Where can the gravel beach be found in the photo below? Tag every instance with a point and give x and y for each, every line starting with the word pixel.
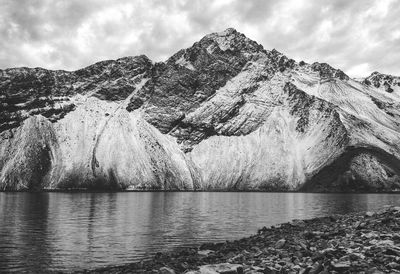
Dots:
pixel 366 242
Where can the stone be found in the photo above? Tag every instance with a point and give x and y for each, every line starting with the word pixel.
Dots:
pixel 223 268
pixel 394 265
pixel 316 268
pixel 205 252
pixel 393 251
pixel 299 223
pixel 166 270
pixel 341 266
pixel 270 270
pixel 296 268
pixel 280 243
pixel 369 214
pixel 257 268
pixel 356 256
pixel 374 270
pixel 370 235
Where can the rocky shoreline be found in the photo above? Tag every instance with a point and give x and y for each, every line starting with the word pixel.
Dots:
pixel 352 243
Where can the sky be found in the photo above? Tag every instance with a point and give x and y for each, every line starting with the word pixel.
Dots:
pixel 357 36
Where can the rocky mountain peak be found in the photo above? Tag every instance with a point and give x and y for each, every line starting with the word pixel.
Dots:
pixel 232 47
pixel 230 31
pixel 278 61
pixel 228 46
pixel 387 82
pixel 377 74
pixel 230 40
pixel 191 77
pixel 326 71
pixel 120 66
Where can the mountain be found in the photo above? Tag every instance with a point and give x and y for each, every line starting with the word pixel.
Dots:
pixel 223 114
pixel 388 83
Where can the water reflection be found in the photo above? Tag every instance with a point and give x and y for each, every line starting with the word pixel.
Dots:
pixel 70 231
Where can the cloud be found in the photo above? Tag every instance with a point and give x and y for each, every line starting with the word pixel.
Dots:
pixel 357 36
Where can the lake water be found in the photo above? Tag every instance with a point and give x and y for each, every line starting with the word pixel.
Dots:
pixel 42 232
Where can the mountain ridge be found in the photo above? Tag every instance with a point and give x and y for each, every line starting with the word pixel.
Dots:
pixel 222 114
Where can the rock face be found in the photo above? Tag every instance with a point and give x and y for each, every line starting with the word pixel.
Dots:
pixel 388 83
pixel 222 114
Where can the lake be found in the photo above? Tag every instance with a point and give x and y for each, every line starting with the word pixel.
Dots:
pixel 42 232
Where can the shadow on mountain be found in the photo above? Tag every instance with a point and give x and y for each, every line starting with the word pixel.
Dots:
pixel 358 169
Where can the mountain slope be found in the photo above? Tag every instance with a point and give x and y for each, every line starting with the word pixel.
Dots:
pixel 222 114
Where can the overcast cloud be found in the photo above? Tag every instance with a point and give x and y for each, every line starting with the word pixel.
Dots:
pixel 357 36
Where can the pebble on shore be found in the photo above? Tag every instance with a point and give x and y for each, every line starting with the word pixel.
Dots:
pixel 352 243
